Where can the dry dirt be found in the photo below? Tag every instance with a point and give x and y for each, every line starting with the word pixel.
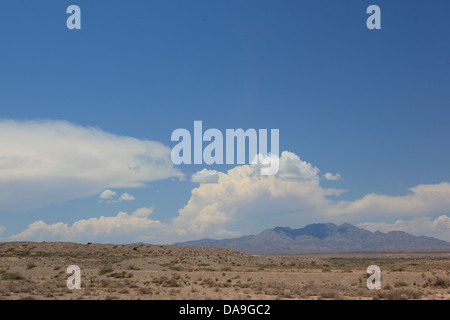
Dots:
pixel 31 270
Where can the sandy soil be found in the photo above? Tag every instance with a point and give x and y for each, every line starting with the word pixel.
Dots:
pixel 31 270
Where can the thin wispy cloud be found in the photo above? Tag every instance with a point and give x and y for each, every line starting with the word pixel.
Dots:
pixel 45 162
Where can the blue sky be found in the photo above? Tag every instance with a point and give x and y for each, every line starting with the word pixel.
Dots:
pixel 370 105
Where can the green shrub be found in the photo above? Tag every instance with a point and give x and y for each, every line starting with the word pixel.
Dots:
pixel 105 270
pixel 30 265
pixel 11 276
pixel 441 283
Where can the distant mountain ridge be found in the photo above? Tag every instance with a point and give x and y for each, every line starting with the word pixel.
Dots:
pixel 323 237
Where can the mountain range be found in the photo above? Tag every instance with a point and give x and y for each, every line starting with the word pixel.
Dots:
pixel 323 237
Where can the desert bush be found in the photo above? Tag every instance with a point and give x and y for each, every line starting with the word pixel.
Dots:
pixel 120 275
pixel 145 291
pixel 174 281
pixel 30 265
pixel 328 294
pixel 208 282
pixel 132 267
pixel 399 284
pixel 105 270
pixel 11 276
pixel 399 294
pixel 441 283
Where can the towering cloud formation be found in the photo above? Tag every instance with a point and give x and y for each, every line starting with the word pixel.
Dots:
pixel 241 201
pixel 242 198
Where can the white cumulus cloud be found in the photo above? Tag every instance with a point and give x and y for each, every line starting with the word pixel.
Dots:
pixel 244 200
pixel 332 177
pixel 205 176
pixel 439 227
pixel 143 212
pixel 293 168
pixel 109 197
pixel 107 194
pixel 103 229
pixel 424 199
pixel 126 197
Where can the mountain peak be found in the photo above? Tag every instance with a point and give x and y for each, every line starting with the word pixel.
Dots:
pixel 324 237
pixel 316 230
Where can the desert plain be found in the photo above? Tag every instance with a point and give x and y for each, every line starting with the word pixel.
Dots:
pixel 37 270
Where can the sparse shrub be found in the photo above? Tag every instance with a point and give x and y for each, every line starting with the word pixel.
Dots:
pixel 402 294
pixel 11 276
pixel 30 265
pixel 132 267
pixel 174 281
pixel 328 294
pixel 441 283
pixel 120 275
pixel 176 268
pixel 208 282
pixel 145 291
pixel 105 270
pixel 398 284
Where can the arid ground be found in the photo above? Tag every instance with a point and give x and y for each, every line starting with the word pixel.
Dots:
pixel 31 270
